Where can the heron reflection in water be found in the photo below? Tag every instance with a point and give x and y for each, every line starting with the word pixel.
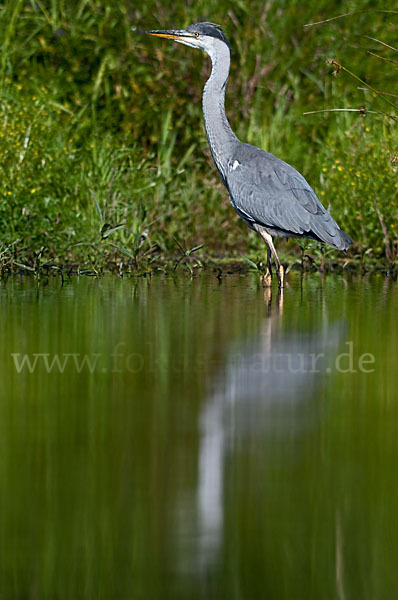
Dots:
pixel 266 394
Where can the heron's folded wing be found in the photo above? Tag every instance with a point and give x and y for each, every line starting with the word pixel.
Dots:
pixel 274 194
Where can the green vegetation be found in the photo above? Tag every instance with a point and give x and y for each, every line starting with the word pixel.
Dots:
pixel 103 154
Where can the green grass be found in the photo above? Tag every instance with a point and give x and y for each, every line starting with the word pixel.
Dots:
pixel 103 154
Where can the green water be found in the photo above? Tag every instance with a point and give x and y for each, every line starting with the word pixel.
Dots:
pixel 198 439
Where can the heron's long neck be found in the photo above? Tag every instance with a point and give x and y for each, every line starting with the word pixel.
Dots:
pixel 220 135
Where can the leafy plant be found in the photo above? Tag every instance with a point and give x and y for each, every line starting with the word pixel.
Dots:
pixel 88 104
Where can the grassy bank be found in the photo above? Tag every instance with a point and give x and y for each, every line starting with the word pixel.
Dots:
pixel 103 155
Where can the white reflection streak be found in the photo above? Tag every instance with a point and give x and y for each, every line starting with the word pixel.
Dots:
pixel 210 489
pixel 217 425
pixel 249 401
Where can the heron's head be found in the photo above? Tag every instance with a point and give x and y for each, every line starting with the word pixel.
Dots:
pixel 204 36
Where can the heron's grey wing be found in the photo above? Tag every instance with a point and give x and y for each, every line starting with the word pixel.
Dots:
pixel 268 191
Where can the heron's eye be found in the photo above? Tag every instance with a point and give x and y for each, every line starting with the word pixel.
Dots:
pixel 196 34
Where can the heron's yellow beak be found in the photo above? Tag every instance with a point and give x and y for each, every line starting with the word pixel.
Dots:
pixel 164 35
pixel 178 35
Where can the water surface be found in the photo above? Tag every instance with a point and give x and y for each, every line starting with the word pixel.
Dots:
pixel 178 438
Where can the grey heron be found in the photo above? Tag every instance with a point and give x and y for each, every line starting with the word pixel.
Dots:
pixel 267 193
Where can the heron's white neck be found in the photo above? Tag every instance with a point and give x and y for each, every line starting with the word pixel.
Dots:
pixel 220 135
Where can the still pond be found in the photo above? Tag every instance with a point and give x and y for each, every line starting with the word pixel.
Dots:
pixel 177 438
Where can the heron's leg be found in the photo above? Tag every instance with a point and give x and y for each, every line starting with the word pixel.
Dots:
pixel 269 266
pixel 267 278
pixel 270 247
